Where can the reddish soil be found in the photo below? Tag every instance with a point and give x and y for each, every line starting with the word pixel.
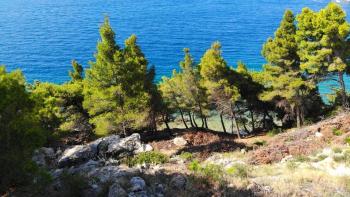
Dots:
pixel 202 143
pixel 303 141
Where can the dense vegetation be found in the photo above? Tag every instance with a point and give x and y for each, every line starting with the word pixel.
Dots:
pixel 118 93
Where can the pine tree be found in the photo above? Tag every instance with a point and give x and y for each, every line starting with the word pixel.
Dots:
pixel 77 73
pixel 215 78
pixel 323 39
pixel 115 87
pixel 282 76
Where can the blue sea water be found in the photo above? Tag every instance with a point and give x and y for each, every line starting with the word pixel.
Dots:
pixel 41 37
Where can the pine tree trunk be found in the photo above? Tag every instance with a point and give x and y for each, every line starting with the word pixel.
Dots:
pixel 183 119
pixel 201 114
pixel 264 120
pixel 298 116
pixel 222 122
pixel 252 119
pixel 205 122
pixel 345 102
pixel 194 120
pixel 190 116
pixel 165 120
pixel 234 120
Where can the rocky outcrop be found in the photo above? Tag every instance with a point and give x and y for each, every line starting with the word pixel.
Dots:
pixel 109 147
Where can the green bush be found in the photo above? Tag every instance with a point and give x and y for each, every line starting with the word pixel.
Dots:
pixel 238 170
pixel 20 130
pixel 186 156
pixel 337 132
pixel 347 140
pixel 151 157
pixel 210 171
pixel 195 166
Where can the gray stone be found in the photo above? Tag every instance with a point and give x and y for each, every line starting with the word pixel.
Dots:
pixel 43 156
pixel 178 182
pixel 137 184
pixel 159 190
pixel 116 190
pixel 144 148
pixel 86 167
pixel 179 141
pixel 77 154
pixel 138 194
pixel 107 173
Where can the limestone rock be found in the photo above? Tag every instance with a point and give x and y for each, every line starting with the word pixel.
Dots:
pixel 77 154
pixel 179 141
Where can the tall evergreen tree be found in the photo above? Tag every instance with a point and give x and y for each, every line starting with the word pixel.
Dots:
pixel 115 95
pixel 282 75
pixel 215 78
pixel 323 39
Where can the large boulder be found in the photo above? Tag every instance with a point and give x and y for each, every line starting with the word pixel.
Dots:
pixel 77 154
pixel 121 148
pixel 111 146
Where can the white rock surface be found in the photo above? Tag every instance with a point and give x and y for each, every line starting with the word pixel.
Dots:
pixel 180 141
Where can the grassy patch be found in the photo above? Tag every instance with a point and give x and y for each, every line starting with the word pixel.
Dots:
pixel 210 171
pixel 186 156
pixel 238 170
pixel 337 132
pixel 321 157
pixel 273 132
pixel 301 158
pixel 151 157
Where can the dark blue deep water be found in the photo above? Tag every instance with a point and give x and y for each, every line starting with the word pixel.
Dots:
pixel 41 37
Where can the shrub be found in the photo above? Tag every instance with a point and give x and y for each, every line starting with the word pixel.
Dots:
pixel 186 156
pixel 213 171
pixel 238 170
pixel 260 143
pixel 347 140
pixel 151 157
pixel 337 150
pixel 337 132
pixel 322 157
pixel 291 165
pixel 194 166
pixel 210 171
pixel 273 132
pixel 301 158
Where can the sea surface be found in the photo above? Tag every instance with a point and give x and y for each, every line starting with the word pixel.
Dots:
pixel 41 37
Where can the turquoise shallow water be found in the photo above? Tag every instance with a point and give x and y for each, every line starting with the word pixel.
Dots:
pixel 42 36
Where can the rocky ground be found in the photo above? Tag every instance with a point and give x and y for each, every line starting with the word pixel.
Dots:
pixel 311 161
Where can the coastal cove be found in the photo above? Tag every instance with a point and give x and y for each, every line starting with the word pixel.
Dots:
pixel 41 37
